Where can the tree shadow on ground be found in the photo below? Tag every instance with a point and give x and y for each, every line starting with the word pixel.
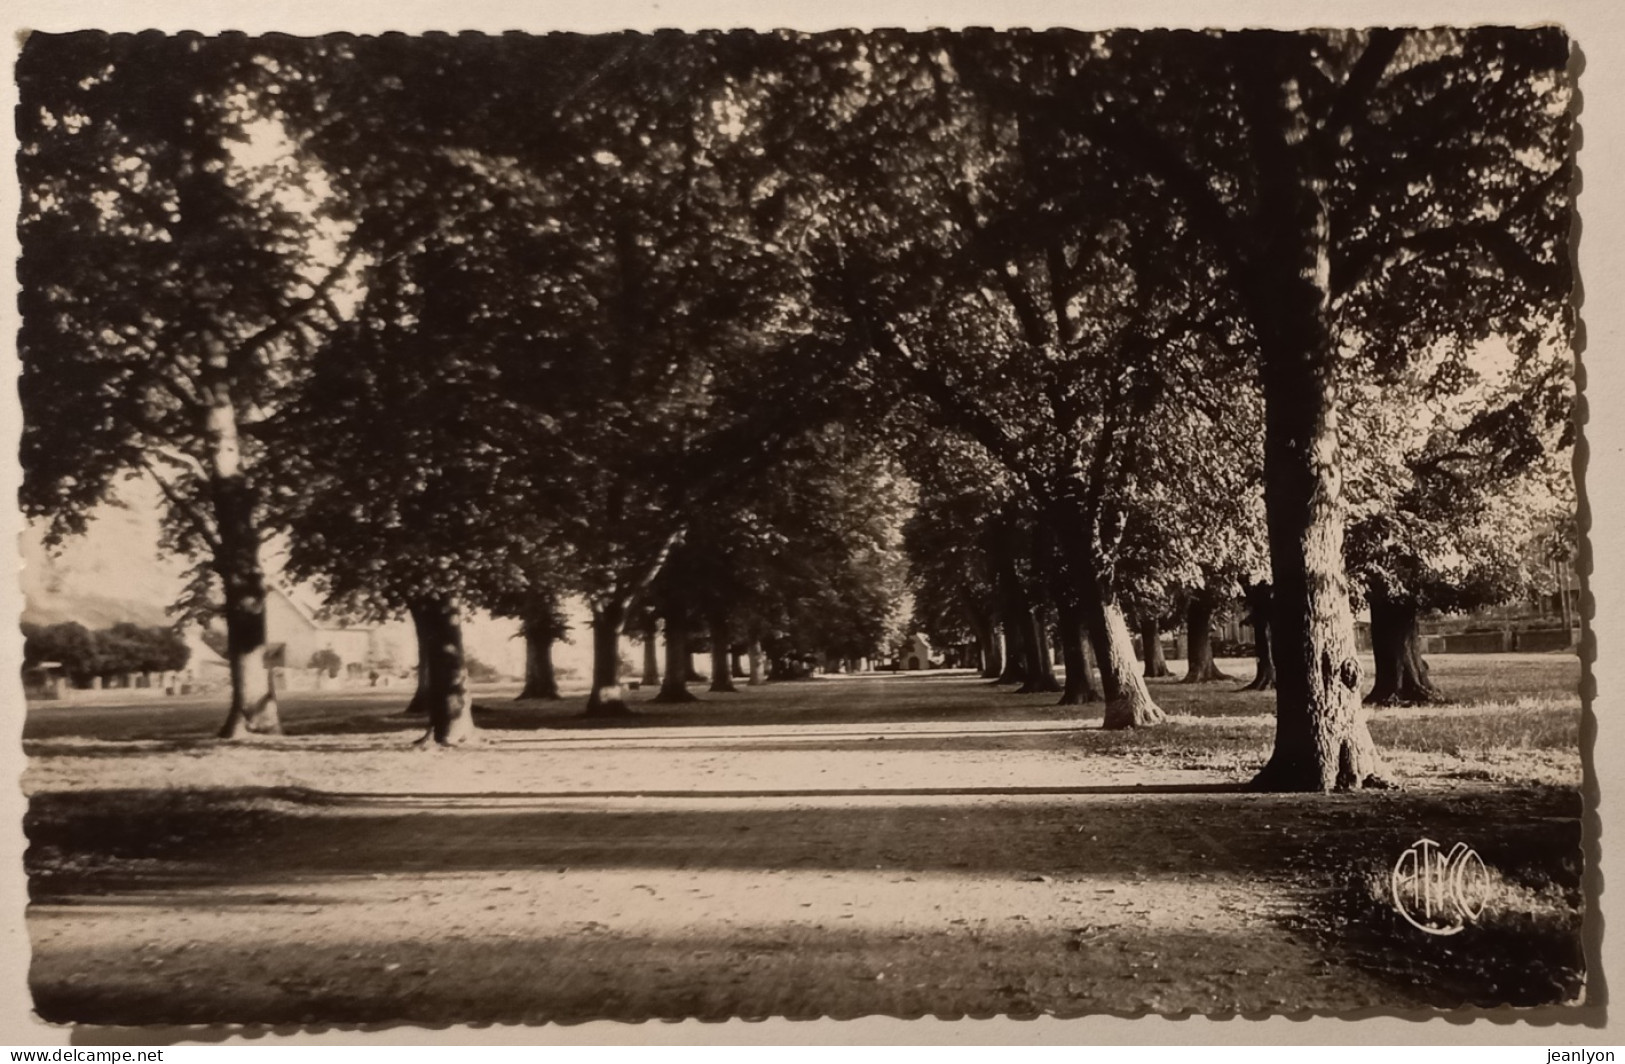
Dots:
pixel 260 834
pixel 796 972
pixel 973 742
pixel 723 711
pixel 1307 860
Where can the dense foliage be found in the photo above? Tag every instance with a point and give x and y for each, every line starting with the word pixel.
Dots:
pixel 117 651
pixel 768 339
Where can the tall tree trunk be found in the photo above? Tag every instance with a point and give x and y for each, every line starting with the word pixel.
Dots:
pixel 440 633
pixel 1322 742
pixel 254 708
pixel 1155 661
pixel 651 657
pixel 990 660
pixel 1258 618
pixel 1199 664
pixel 1128 701
pixel 1013 611
pixel 1080 681
pixel 1040 655
pixel 674 688
pixel 1015 654
pixel 1396 642
pixel 984 651
pixel 1092 692
pixel 758 663
pixel 608 698
pixel 540 633
pixel 737 663
pixel 1039 661
pixel 1562 568
pixel 419 704
pixel 721 665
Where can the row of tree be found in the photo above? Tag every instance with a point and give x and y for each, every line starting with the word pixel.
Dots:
pixel 686 324
pixel 85 655
pixel 980 578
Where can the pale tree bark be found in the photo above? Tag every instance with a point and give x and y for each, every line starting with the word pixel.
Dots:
pixel 758 663
pixel 609 617
pixel 1015 654
pixel 1155 661
pixel 992 641
pixel 997 655
pixel 254 708
pixel 1321 739
pixel 1090 667
pixel 440 633
pixel 1322 742
pixel 1014 612
pixel 1128 701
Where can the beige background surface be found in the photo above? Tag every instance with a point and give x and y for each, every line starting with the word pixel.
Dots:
pixel 1597 25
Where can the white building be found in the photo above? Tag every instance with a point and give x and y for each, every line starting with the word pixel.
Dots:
pixel 917 652
pixel 296 638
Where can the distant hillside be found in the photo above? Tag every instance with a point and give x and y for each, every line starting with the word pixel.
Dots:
pixel 114 573
pixel 93 611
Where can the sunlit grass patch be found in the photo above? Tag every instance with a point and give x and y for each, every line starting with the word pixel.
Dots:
pixel 1486 679
pixel 1507 903
pixel 1234 746
pixel 1534 738
pixel 1522 948
pixel 1532 723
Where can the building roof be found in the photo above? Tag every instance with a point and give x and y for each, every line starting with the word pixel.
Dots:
pixel 305 603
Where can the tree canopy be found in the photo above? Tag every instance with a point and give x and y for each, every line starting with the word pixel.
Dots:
pixel 737 328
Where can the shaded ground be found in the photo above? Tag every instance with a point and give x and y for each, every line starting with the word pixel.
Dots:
pixel 901 845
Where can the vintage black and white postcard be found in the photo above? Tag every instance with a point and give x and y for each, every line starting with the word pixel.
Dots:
pixel 809 520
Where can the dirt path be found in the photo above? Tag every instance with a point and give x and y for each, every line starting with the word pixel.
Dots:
pixel 629 944
pixel 890 864
pixel 785 758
